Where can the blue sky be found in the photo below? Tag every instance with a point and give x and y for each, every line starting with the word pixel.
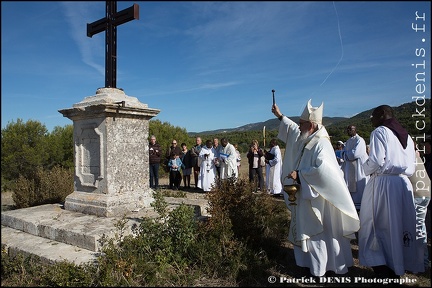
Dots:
pixel 212 65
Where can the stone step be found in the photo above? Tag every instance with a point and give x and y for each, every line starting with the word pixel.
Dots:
pixel 49 251
pixel 57 233
pixel 52 222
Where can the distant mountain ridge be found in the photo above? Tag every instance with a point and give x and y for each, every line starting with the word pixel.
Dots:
pixel 403 113
pixel 270 124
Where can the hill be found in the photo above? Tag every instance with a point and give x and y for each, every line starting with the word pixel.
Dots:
pixel 271 124
pixel 336 126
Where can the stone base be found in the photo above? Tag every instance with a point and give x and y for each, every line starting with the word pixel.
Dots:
pixel 108 205
pixel 111 156
pixel 55 234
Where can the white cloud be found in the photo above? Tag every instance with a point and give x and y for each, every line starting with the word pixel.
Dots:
pixel 77 15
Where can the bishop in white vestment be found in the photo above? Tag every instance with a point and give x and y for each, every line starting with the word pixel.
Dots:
pixel 324 219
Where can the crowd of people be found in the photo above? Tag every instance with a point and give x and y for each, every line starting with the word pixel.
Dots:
pixel 376 194
pixel 207 162
pixel 214 161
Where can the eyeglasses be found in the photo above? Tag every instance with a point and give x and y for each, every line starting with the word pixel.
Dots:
pixel 173 143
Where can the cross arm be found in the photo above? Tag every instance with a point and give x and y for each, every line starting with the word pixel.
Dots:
pixel 96 27
pixel 127 15
pixel 120 17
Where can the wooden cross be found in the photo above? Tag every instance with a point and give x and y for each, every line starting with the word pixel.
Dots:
pixel 109 25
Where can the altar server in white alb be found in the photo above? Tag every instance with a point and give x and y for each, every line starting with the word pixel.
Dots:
pixel 274 169
pixel 387 215
pixel 324 219
pixel 207 175
pixel 228 160
pixel 354 155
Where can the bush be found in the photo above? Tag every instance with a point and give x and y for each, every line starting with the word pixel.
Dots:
pixel 23 149
pixel 255 220
pixel 45 187
pixel 28 271
pixel 174 249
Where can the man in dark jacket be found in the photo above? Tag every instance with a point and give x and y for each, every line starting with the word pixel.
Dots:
pixel 155 152
pixel 195 150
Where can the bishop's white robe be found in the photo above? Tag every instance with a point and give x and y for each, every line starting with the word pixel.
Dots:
pixel 324 220
pixel 388 216
pixel 207 175
pixel 228 167
pixel 354 155
pixel 274 172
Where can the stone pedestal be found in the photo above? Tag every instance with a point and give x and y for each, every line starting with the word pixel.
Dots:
pixel 111 155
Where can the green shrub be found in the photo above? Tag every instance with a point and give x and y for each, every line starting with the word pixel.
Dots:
pixel 28 271
pixel 45 187
pixel 256 218
pixel 256 221
pixel 19 270
pixel 65 274
pixel 174 249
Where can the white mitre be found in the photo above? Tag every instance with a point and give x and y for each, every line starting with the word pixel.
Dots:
pixel 313 114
